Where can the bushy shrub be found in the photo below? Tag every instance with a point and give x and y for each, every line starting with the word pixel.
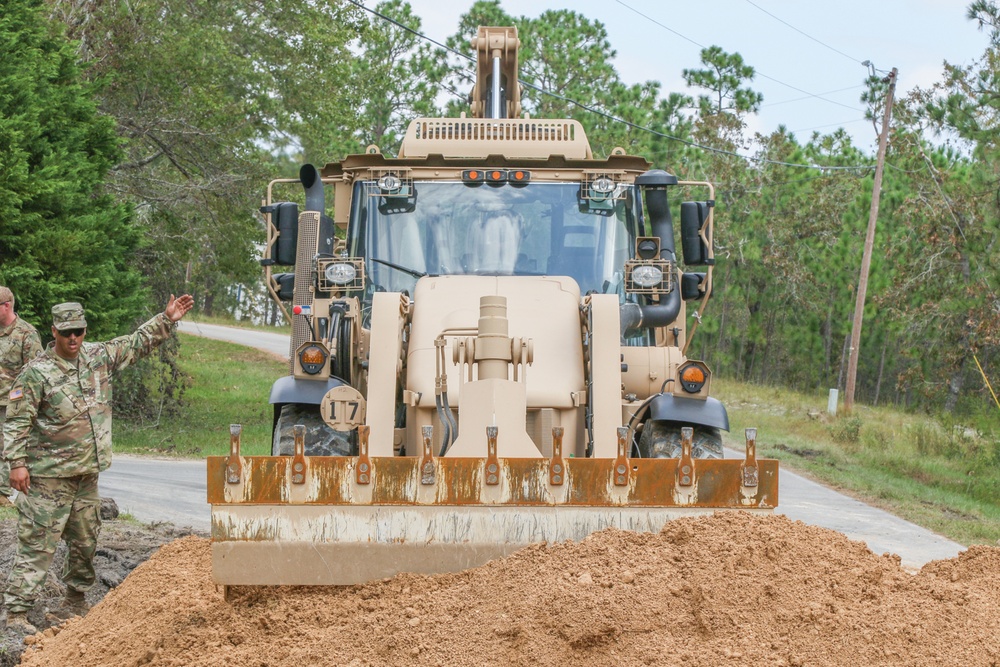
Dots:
pixel 151 388
pixel 846 430
pixel 877 436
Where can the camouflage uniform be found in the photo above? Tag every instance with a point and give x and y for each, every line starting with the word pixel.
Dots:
pixel 19 343
pixel 59 426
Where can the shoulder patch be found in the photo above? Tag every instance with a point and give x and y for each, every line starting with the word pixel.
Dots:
pixel 15 394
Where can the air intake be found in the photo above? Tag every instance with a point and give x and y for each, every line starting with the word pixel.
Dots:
pixel 479 137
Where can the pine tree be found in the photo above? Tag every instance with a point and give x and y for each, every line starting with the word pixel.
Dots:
pixel 62 238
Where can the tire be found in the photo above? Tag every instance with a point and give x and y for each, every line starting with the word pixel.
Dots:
pixel 321 440
pixel 662 440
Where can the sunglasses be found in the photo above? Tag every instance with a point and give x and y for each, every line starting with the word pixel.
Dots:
pixel 66 333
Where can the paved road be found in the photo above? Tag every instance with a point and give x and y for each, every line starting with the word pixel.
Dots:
pixel 812 503
pixel 174 491
pixel 159 490
pixel 275 343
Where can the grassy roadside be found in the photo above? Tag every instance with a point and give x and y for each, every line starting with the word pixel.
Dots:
pixel 911 465
pixel 227 384
pixel 946 479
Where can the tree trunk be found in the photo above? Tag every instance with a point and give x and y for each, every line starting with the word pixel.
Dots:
pixel 843 360
pixel 722 326
pixel 881 368
pixel 827 333
pixel 955 385
pixel 750 350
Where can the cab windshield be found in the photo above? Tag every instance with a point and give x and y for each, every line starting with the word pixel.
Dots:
pixel 450 228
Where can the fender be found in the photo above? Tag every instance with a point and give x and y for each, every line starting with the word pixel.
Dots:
pixel 704 412
pixel 290 390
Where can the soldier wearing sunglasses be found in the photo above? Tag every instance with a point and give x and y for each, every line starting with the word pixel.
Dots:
pixel 57 439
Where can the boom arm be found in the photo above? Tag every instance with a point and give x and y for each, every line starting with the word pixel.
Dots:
pixel 497 93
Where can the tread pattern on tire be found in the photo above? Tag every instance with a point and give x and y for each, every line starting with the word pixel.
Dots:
pixel 662 440
pixel 321 440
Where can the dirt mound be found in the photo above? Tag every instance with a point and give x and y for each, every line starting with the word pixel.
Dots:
pixel 123 545
pixel 727 589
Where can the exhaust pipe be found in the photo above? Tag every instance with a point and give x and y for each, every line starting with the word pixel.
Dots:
pixel 633 316
pixel 315 200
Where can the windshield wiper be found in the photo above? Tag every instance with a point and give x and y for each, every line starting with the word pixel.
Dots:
pixel 399 267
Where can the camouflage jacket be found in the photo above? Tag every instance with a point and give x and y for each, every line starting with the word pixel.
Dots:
pixel 59 416
pixel 19 344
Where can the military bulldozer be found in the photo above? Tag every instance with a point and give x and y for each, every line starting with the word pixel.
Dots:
pixel 488 350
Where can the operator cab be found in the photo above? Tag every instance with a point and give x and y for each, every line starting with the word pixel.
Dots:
pixel 535 229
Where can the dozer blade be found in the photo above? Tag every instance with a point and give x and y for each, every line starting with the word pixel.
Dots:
pixel 346 520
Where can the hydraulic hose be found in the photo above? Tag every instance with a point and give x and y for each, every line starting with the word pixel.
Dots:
pixel 452 424
pixel 445 425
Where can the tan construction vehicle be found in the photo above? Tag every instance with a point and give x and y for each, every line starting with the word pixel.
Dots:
pixel 490 355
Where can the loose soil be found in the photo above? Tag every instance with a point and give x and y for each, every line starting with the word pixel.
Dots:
pixel 726 589
pixel 123 546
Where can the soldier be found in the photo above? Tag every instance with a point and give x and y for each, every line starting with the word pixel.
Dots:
pixel 19 343
pixel 58 438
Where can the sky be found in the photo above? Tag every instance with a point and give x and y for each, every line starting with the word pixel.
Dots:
pixel 807 54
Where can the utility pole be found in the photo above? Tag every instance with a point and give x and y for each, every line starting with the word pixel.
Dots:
pixel 866 258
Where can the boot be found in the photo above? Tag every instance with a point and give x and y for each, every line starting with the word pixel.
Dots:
pixel 18 621
pixel 75 603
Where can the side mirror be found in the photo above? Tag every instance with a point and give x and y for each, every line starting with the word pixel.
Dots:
pixel 694 217
pixel 284 284
pixel 285 219
pixel 691 286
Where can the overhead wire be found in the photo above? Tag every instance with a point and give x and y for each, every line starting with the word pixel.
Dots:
pixel 756 71
pixel 820 127
pixel 723 190
pixel 604 114
pixel 804 34
pixel 799 99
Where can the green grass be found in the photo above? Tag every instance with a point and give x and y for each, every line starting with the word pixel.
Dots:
pixel 914 466
pixel 227 384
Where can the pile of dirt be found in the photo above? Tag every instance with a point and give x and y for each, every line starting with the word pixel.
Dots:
pixel 123 546
pixel 727 589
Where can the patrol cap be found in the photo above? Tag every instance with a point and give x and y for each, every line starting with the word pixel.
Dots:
pixel 68 316
pixel 5 294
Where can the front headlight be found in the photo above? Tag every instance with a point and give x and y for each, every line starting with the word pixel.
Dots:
pixel 341 274
pixel 647 276
pixel 390 183
pixel 601 188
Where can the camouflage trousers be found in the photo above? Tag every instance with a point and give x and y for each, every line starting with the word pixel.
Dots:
pixel 4 466
pixel 54 508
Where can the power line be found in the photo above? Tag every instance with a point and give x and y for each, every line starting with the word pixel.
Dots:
pixel 808 97
pixel 806 92
pixel 851 58
pixel 722 188
pixel 604 114
pixel 756 71
pixel 820 127
pixel 667 28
